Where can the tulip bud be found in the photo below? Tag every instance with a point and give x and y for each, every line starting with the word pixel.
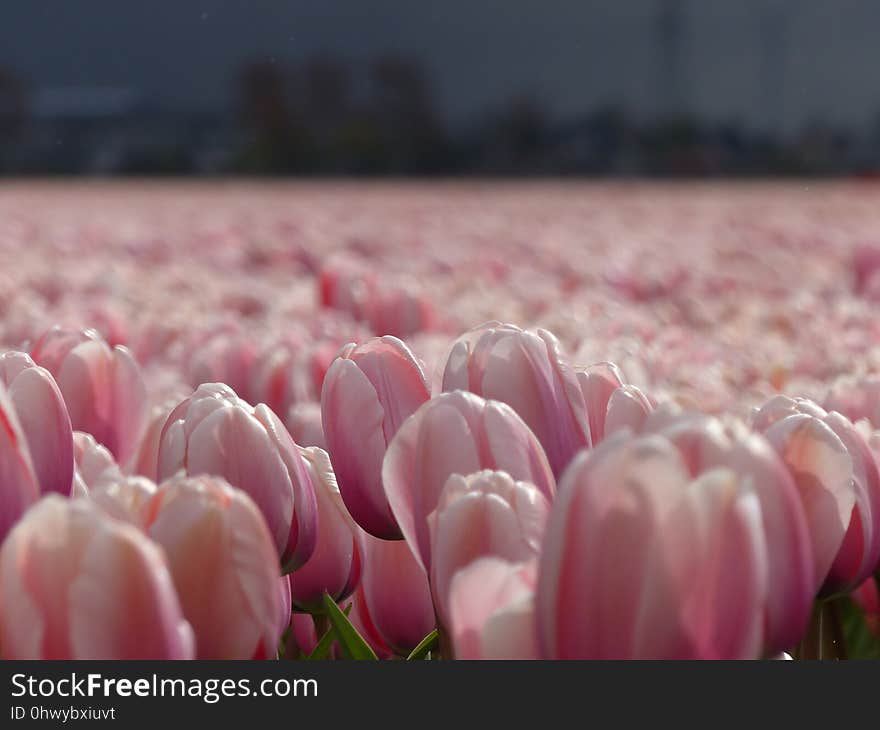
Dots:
pixel 641 560
pixel 485 514
pixel 126 498
pixel 145 460
pixel 43 418
pixel 215 432
pixel 369 391
pixel 78 584
pixel 395 594
pixel 838 482
pixel 304 424
pixel 19 486
pixel 704 444
pixel 335 565
pixel 102 386
pixel 224 565
pixel 475 434
pixel 525 370
pixel 611 403
pixel 92 464
pixel 223 358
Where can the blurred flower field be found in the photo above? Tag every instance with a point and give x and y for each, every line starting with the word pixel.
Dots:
pixel 454 420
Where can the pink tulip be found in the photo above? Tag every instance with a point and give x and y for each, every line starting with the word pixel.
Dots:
pixel 19 485
pixel 286 603
pixel 335 565
pixel 859 554
pixel 493 610
pixel 342 286
pixel 401 312
pixel 839 484
pixel 43 418
pixel 291 373
pixel 222 358
pixel 126 498
pixel 224 565
pixel 369 391
pixel 486 514
pixel 455 433
pixel 78 584
pixel 642 560
pixel 304 424
pixel 395 593
pixel 611 403
pixel 704 443
pixel 102 386
pixel 362 621
pixel 216 432
pixel 93 464
pixel 145 460
pixel 302 637
pixel 526 370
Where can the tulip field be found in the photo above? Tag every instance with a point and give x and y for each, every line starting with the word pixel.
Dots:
pixel 436 421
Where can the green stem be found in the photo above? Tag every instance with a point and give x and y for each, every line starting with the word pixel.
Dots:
pixel 322 623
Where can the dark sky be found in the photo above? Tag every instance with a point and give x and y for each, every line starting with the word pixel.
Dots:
pixel 571 54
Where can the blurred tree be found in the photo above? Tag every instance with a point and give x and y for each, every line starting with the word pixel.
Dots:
pixel 402 106
pixel 13 110
pixel 280 141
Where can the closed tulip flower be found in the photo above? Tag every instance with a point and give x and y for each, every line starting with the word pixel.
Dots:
pixel 335 565
pixel 216 432
pixel 665 546
pixel 611 402
pixel 395 593
pixel 93 464
pixel 124 497
pixel 224 565
pixel 486 514
pixel 223 358
pixel 705 444
pixel 304 424
pixel 145 460
pixel 456 433
pixel 43 418
pixel 302 637
pixel 19 486
pixel 369 391
pixel 78 584
pixel 526 370
pixel 102 386
pixel 286 603
pixel 492 606
pixel 839 484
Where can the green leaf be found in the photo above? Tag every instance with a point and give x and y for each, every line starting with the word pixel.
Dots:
pixel 425 647
pixel 350 641
pixel 322 648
